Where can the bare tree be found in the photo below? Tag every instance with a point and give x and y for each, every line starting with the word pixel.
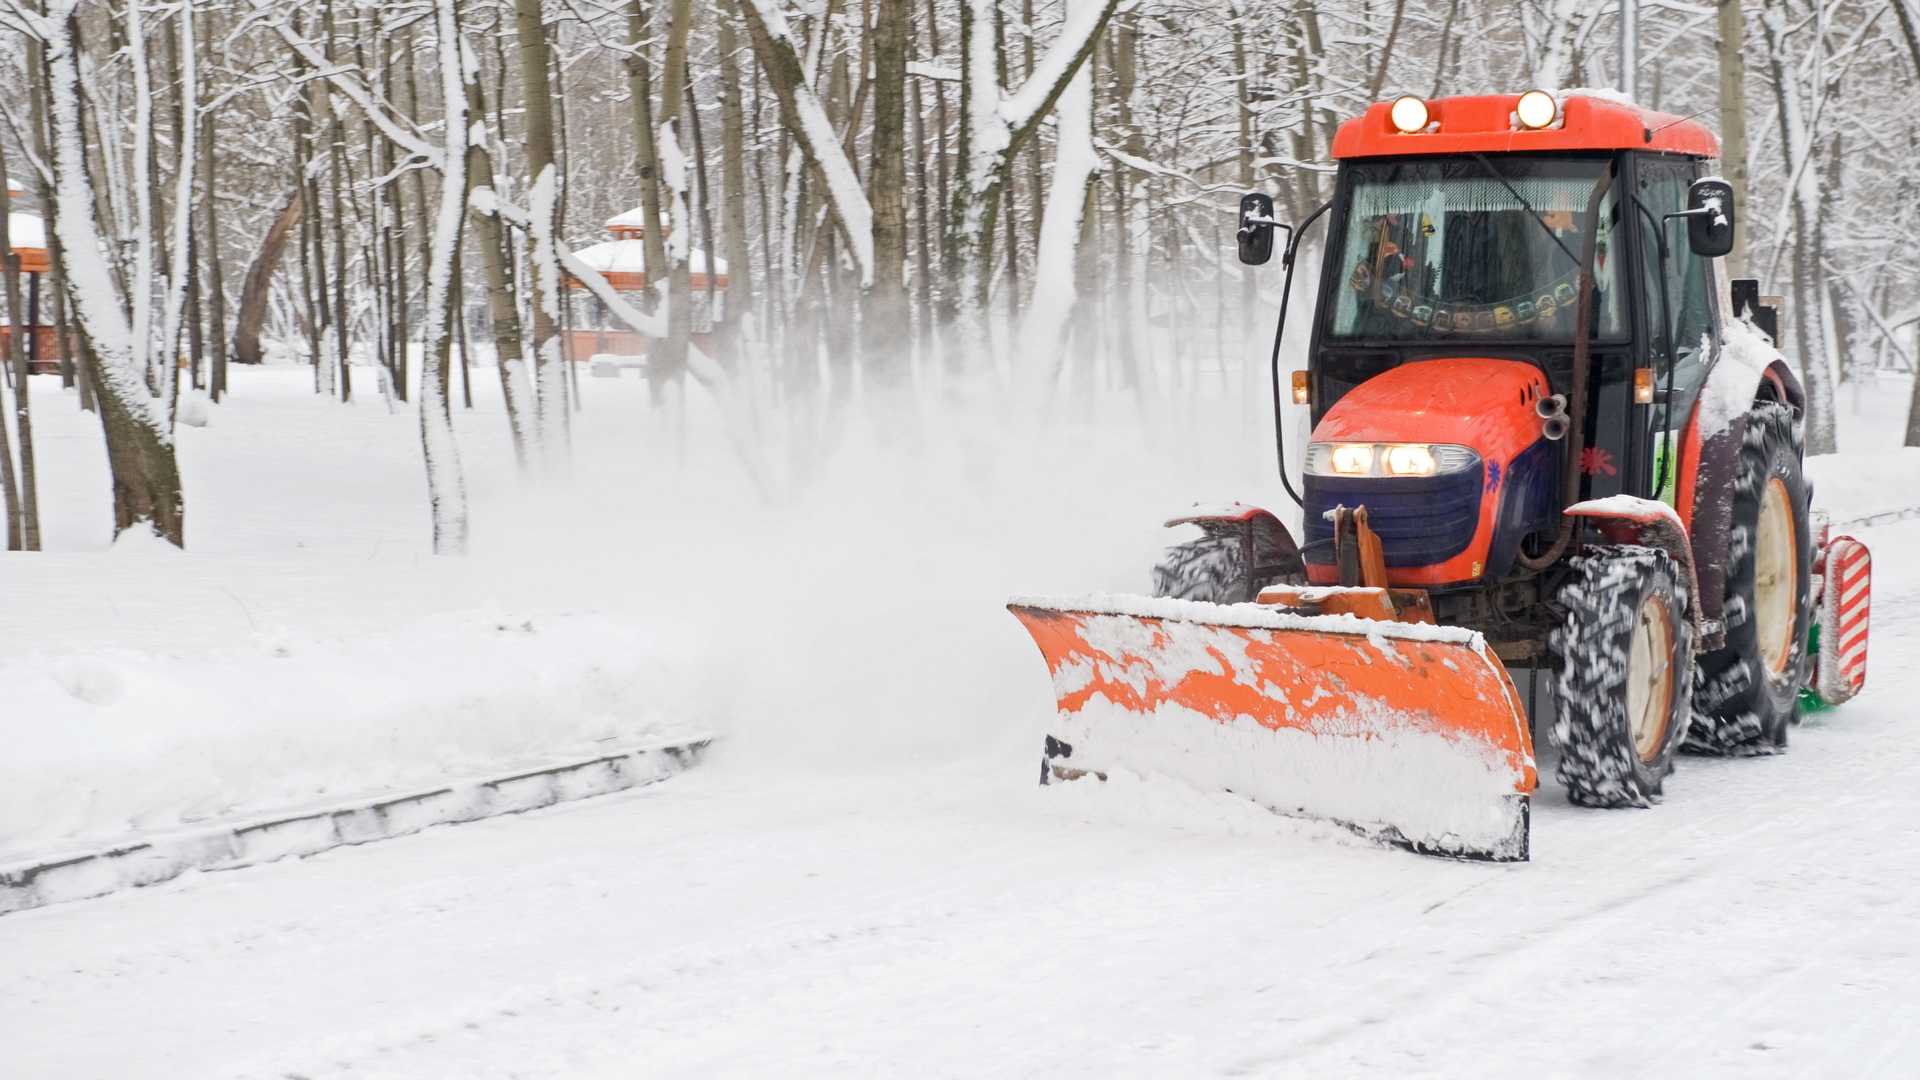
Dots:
pixel 446 485
pixel 136 416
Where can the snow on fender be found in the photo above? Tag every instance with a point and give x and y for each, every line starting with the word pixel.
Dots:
pixel 1406 732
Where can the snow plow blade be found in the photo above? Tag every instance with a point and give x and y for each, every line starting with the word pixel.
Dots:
pixel 1405 732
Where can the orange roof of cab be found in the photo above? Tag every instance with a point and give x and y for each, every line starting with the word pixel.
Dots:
pixel 1484 123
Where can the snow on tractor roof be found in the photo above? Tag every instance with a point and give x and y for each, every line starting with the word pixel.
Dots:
pixel 1485 123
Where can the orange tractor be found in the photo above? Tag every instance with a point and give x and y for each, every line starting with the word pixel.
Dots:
pixel 1547 433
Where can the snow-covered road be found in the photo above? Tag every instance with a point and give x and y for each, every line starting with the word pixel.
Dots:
pixel 748 920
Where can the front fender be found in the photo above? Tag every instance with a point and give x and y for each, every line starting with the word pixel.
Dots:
pixel 1267 547
pixel 1624 519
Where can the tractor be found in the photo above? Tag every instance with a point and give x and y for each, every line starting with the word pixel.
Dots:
pixel 1548 433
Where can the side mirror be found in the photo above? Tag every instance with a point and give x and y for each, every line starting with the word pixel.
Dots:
pixel 1256 228
pixel 1710 217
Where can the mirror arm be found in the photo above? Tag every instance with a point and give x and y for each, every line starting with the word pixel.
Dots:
pixel 1294 235
pixel 1252 222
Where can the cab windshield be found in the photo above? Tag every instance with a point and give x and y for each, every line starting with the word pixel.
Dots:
pixel 1443 248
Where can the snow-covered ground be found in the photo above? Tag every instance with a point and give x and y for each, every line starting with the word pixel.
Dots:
pixel 864 878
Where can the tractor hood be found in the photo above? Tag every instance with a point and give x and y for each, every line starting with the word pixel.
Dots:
pixel 1480 402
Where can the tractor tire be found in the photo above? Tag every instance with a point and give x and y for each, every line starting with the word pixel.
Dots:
pixel 1746 694
pixel 1624 656
pixel 1212 568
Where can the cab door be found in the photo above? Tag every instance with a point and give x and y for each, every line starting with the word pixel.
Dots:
pixel 1676 325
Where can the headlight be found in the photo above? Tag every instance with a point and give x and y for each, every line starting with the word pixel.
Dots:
pixel 1412 459
pixel 1352 459
pixel 1389 459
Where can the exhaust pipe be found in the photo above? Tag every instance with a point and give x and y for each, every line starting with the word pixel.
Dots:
pixel 1554 422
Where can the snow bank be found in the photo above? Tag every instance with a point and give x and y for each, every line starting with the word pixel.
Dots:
pixel 120 741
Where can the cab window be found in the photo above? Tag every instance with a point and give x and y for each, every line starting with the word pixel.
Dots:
pixel 1687 310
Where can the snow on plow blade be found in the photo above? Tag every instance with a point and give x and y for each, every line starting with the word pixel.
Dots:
pixel 1406 732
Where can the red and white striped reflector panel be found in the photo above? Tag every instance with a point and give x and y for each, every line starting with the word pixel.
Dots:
pixel 1844 610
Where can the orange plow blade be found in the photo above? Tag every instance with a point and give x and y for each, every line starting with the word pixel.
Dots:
pixel 1406 732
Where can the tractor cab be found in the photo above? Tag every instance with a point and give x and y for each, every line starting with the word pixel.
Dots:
pixel 1492 264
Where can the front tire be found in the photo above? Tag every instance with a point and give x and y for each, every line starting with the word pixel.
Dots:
pixel 1625 664
pixel 1747 692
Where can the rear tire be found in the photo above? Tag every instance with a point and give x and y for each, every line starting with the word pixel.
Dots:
pixel 1625 665
pixel 1747 692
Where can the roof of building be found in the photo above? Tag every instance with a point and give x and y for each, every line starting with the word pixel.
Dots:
pixel 28 235
pixel 1485 123
pixel 635 218
pixel 26 232
pixel 630 257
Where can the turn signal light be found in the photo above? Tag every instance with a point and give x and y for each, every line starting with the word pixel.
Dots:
pixel 1301 395
pixel 1643 386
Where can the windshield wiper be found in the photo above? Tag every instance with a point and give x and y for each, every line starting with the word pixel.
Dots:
pixel 1531 212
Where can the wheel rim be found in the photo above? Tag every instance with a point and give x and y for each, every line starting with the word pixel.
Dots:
pixel 1776 586
pixel 1650 677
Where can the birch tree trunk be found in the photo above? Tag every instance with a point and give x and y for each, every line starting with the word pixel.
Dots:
pixel 670 355
pixel 517 390
pixel 994 125
pixel 543 215
pixel 139 438
pixel 1909 34
pixel 806 121
pixel 640 91
pixel 733 173
pixel 1809 307
pixel 16 359
pixel 446 486
pixel 216 280
pixel 1055 292
pixel 1733 120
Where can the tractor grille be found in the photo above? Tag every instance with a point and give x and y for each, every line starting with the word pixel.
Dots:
pixel 1420 520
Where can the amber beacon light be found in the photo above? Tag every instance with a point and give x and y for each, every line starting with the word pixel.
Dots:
pixel 1409 114
pixel 1536 109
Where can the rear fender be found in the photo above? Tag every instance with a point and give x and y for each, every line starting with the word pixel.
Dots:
pixel 1266 546
pixel 1624 519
